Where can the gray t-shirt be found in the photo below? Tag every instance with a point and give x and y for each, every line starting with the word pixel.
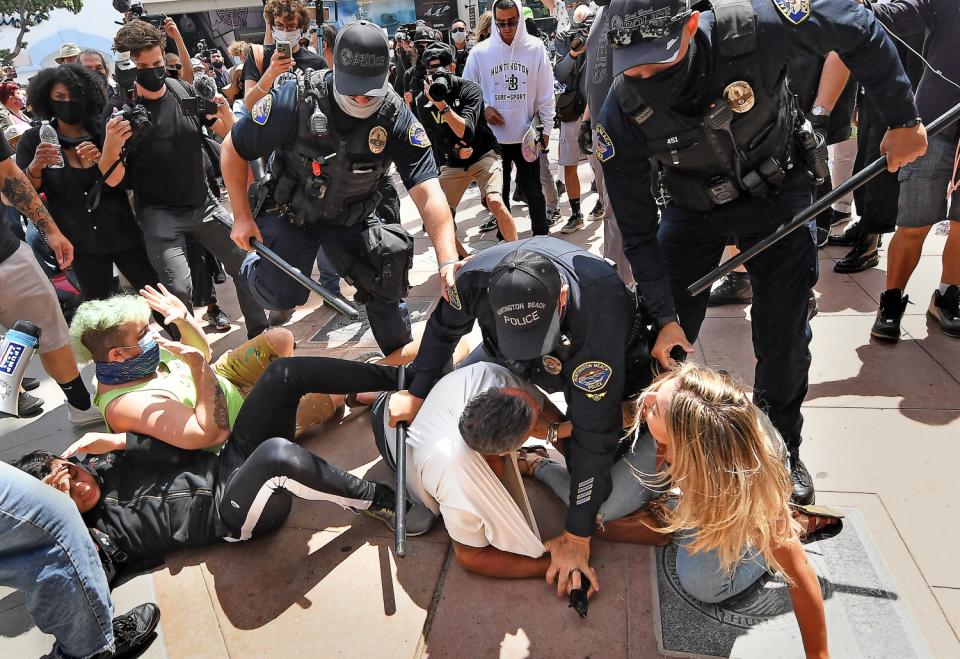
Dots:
pixel 599 75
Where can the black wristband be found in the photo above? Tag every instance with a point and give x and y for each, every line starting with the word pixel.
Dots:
pixel 912 123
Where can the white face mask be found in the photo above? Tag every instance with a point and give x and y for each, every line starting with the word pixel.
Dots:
pixel 354 109
pixel 459 37
pixel 286 35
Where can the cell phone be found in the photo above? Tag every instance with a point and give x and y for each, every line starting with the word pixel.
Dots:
pixel 197 107
pixel 284 49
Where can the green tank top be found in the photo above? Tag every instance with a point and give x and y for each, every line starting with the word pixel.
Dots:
pixel 175 379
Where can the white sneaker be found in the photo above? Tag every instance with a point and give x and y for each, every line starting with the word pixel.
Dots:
pixel 85 417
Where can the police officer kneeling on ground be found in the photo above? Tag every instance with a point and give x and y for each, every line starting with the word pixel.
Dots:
pixel 705 96
pixel 562 318
pixel 333 136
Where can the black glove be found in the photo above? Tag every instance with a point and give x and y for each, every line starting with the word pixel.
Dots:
pixel 585 138
pixel 820 123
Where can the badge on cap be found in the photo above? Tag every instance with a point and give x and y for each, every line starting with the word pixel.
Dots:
pixel 739 96
pixel 552 365
pixel 377 140
pixel 261 110
pixel 418 136
pixel 591 376
pixel 795 11
pixel 605 150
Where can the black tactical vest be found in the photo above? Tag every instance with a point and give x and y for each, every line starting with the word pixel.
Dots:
pixel 332 178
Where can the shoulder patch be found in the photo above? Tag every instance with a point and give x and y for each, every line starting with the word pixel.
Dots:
pixel 261 110
pixel 795 11
pixel 591 376
pixel 418 136
pixel 605 150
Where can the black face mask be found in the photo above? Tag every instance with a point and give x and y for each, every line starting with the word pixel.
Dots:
pixel 69 112
pixel 152 79
pixel 217 65
pixel 669 85
pixel 173 73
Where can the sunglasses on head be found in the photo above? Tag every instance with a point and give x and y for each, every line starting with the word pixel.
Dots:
pixel 653 28
pixel 513 22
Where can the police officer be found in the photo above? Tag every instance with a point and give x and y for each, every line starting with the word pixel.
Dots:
pixel 561 317
pixel 333 135
pixel 704 95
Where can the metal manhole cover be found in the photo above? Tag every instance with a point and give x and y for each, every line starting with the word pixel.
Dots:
pixel 340 330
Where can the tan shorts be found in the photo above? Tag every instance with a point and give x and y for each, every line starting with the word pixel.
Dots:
pixel 487 172
pixel 569 153
pixel 27 294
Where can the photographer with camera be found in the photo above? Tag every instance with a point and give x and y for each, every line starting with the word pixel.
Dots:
pixel 154 145
pixel 218 68
pixel 451 110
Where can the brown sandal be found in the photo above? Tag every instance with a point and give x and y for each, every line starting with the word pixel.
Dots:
pixel 822 522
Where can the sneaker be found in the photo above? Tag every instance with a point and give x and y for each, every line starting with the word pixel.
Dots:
pixel 597 212
pixel 490 224
pixel 574 224
pixel 133 631
pixel 839 217
pixel 892 305
pixel 803 492
pixel 561 187
pixel 848 237
pixel 864 255
pixel 419 518
pixel 553 217
pixel 945 309
pixel 79 417
pixel 28 405
pixel 218 318
pixel 279 317
pixel 29 384
pixel 735 288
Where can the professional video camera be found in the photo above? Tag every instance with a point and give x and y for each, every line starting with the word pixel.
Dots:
pixel 135 9
pixel 439 85
pixel 203 50
pixel 125 74
pixel 202 104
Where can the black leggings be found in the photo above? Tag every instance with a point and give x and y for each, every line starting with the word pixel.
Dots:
pixel 528 179
pixel 262 470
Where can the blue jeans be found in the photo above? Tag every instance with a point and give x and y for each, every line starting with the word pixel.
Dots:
pixel 329 278
pixel 47 553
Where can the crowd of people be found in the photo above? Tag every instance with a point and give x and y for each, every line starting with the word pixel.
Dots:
pixel 704 132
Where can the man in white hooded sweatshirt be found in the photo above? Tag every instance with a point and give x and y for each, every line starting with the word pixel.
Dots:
pixel 515 74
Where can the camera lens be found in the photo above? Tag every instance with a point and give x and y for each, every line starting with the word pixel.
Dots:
pixel 439 89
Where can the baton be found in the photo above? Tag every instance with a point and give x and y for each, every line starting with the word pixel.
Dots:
pixel 295 274
pixel 401 460
pixel 821 204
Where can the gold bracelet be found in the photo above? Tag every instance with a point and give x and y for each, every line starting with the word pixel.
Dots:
pixel 262 90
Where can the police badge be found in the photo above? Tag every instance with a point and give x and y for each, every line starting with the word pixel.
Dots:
pixel 552 365
pixel 739 96
pixel 377 140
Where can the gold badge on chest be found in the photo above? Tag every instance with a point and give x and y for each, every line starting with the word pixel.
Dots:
pixel 739 96
pixel 552 365
pixel 377 141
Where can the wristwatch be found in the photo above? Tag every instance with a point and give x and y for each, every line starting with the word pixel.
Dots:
pixel 913 123
pixel 819 111
pixel 445 110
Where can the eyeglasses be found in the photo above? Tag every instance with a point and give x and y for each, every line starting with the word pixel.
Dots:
pixel 651 28
pixel 505 25
pixel 175 66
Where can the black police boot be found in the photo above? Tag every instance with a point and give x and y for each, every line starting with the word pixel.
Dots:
pixel 945 309
pixel 735 288
pixel 803 492
pixel 864 255
pixel 892 305
pixel 133 631
pixel 848 237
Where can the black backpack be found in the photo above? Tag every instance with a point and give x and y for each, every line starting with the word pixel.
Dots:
pixel 572 103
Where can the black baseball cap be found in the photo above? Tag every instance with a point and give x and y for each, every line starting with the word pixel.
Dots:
pixel 440 52
pixel 645 31
pixel 361 60
pixel 524 291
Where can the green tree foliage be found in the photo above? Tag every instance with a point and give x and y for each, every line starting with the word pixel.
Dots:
pixel 25 14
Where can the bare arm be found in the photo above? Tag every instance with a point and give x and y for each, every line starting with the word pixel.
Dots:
pixel 19 192
pixel 833 78
pixel 170 27
pixel 492 562
pixel 166 419
pixel 806 597
pixel 430 200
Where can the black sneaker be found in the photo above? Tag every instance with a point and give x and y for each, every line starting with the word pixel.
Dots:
pixel 838 217
pixel 29 384
pixel 945 309
pixel 218 318
pixel 279 317
pixel 553 217
pixel 28 405
pixel 848 237
pixel 597 212
pixel 803 492
pixel 574 224
pixel 133 631
pixel 490 224
pixel 864 255
pixel 892 305
pixel 419 518
pixel 735 288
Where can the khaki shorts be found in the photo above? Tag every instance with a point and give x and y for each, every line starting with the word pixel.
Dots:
pixel 27 294
pixel 569 153
pixel 487 172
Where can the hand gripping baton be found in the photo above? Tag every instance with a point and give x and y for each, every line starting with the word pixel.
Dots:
pixel 401 459
pixel 295 274
pixel 821 204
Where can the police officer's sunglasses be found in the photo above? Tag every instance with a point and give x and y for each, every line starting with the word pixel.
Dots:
pixel 655 28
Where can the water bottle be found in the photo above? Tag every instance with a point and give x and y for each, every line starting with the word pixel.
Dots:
pixel 49 136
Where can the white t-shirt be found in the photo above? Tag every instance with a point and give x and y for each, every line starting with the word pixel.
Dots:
pixel 455 481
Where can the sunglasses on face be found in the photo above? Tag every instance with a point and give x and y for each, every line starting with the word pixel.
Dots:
pixel 175 66
pixel 506 25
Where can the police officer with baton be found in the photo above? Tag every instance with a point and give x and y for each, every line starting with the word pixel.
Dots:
pixel 703 96
pixel 331 137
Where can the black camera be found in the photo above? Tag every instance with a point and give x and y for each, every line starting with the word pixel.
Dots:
pixel 204 51
pixel 125 74
pixel 439 85
pixel 135 9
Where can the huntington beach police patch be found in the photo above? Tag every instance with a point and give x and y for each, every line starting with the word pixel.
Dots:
pixel 591 376
pixel 261 110
pixel 605 150
pixel 418 136
pixel 795 11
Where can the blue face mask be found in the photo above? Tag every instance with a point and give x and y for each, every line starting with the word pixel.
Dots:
pixel 141 366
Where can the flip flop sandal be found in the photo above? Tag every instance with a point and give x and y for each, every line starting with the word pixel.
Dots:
pixel 824 532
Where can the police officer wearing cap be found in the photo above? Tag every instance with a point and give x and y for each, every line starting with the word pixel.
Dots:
pixel 332 136
pixel 703 96
pixel 562 318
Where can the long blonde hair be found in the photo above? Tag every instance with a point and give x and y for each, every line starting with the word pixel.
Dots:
pixel 728 460
pixel 484 26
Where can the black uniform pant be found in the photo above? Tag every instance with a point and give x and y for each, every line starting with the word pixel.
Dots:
pixel 782 277
pixel 528 179
pixel 389 321
pixel 261 469
pixel 877 200
pixel 95 271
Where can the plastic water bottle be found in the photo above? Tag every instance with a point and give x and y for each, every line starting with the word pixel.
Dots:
pixel 49 136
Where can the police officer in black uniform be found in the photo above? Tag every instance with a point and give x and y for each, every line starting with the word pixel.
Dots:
pixel 703 96
pixel 333 135
pixel 562 318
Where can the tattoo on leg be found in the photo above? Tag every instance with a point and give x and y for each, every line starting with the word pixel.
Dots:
pixel 24 198
pixel 220 416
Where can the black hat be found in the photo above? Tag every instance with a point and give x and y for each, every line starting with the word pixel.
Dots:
pixel 361 60
pixel 438 51
pixel 524 291
pixel 645 31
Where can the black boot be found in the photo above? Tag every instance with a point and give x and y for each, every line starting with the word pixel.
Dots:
pixel 848 237
pixel 803 492
pixel 892 305
pixel 735 288
pixel 133 631
pixel 864 255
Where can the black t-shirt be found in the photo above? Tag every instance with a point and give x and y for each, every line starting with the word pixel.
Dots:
pixel 8 240
pixel 303 59
pixel 165 166
pixel 466 99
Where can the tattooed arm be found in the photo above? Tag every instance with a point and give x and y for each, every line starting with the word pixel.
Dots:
pixel 20 194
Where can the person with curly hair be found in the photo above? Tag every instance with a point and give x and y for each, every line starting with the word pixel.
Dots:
pixel 72 97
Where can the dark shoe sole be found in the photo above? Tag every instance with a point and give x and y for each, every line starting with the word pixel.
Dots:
pixel 951 333
pixel 29 384
pixel 859 267
pixel 885 337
